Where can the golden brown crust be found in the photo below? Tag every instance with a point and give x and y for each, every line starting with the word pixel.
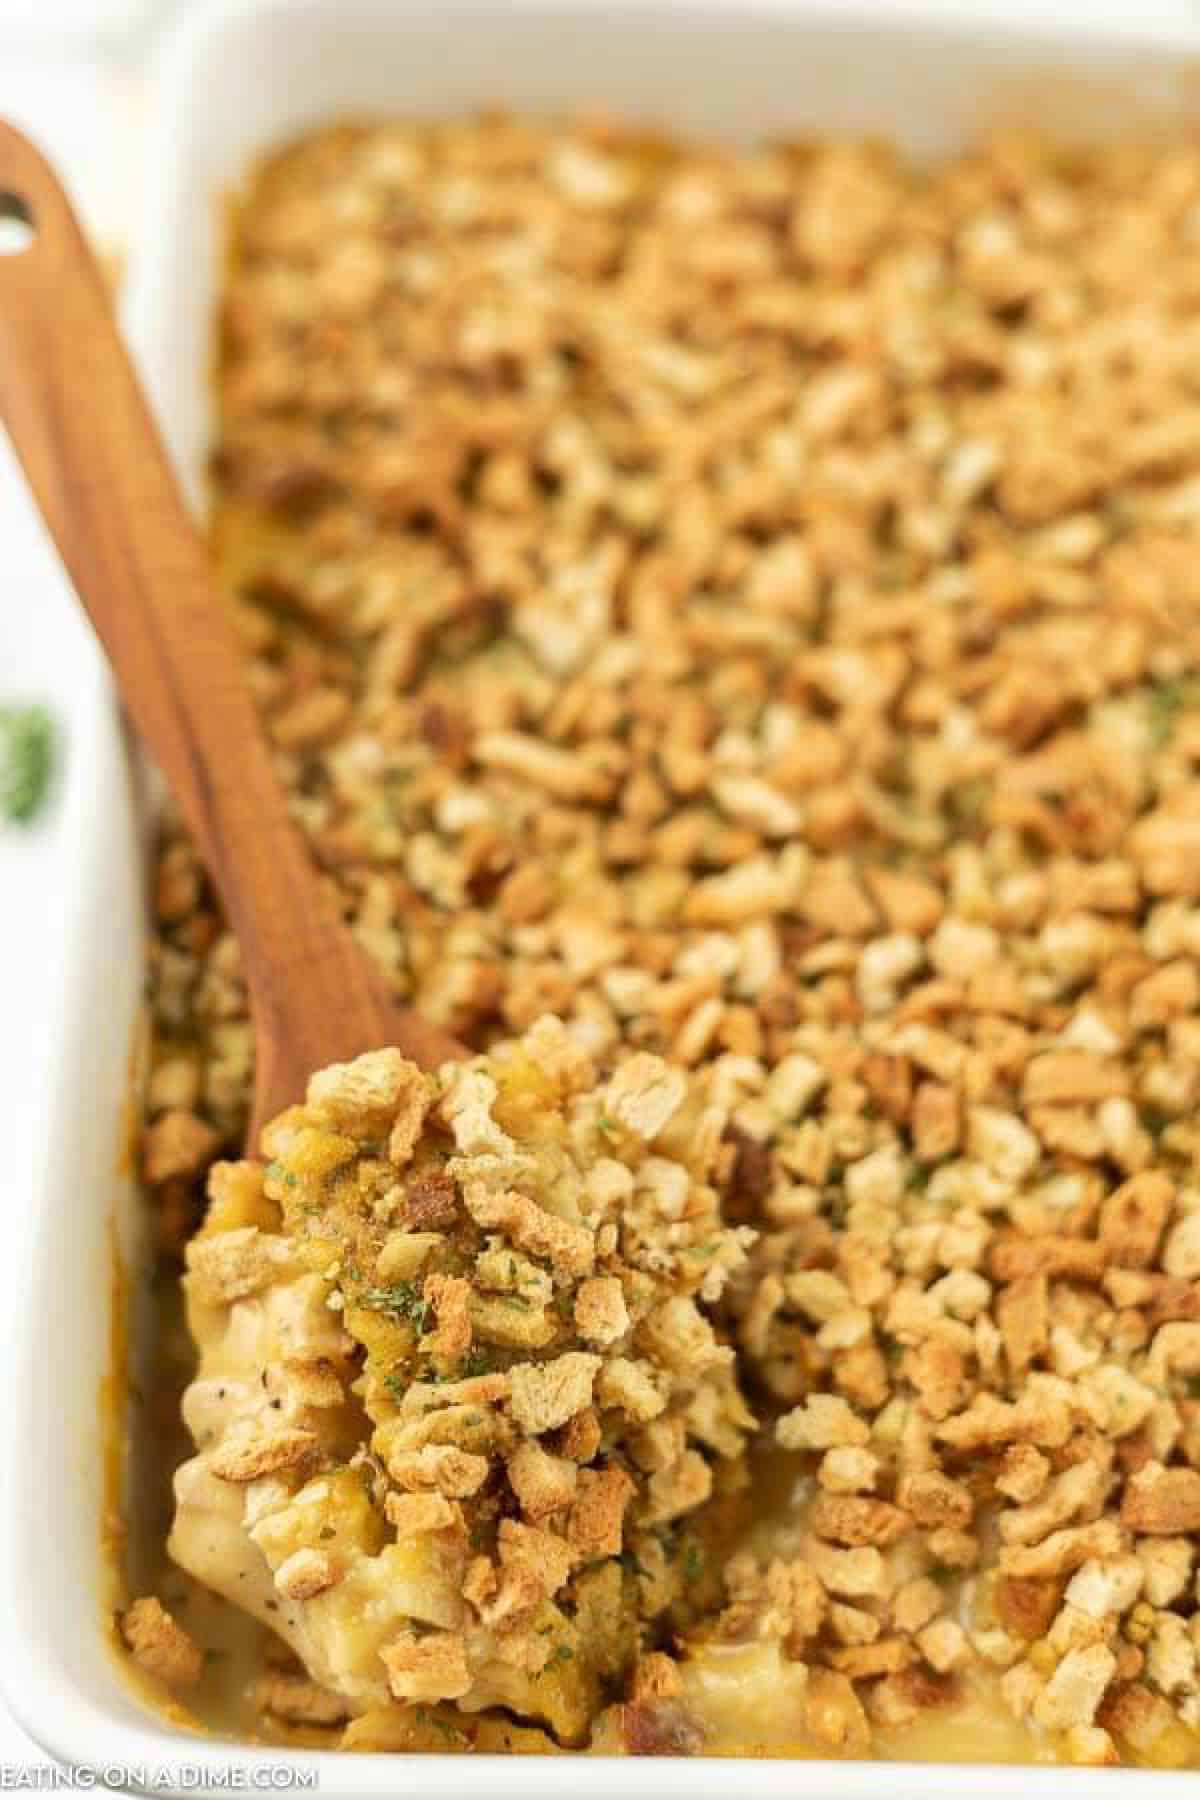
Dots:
pixel 757 622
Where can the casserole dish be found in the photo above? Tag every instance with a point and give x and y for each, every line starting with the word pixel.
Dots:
pixel 278 69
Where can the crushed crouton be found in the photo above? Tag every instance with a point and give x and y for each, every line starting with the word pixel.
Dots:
pixel 532 1228
pixel 455 1473
pixel 299 1701
pixel 1074 1691
pixel 644 1094
pixel 413 1514
pixel 231 1264
pixel 601 1314
pixel 544 1396
pixel 542 1483
pixel 823 1422
pixel 305 1573
pixel 413 1101
pixel 432 1667
pixel 1159 1500
pixel 251 1454
pixel 365 1092
pixel 598 1510
pixel 160 1645
pixel 177 1143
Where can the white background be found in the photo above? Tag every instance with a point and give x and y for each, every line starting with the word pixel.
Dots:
pixel 72 73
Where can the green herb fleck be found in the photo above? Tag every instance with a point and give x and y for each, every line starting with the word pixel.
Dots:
pixel 277 1172
pixel 401 1300
pixel 1165 701
pixel 969 802
pixel 442 1726
pixel 26 761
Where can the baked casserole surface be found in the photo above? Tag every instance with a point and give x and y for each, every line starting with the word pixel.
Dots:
pixel 729 624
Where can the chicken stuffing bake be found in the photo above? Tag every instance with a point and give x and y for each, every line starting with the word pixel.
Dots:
pixel 729 623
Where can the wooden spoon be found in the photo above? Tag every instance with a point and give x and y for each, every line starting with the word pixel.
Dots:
pixel 76 415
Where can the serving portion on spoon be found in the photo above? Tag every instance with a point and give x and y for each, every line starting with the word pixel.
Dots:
pixel 80 425
pixel 459 1408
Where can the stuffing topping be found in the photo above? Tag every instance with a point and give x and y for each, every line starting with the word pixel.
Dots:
pixel 729 625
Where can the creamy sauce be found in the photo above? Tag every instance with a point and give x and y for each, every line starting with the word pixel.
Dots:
pixel 235 1646
pixel 980 1729
pixel 724 1687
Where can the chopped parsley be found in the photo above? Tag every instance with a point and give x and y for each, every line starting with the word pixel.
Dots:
pixel 26 761
pixel 1165 701
pixel 837 1208
pixel 1154 1121
pixel 442 1726
pixel 401 1300
pixel 970 800
pixel 277 1172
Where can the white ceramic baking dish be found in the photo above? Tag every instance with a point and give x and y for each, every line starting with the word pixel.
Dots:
pixel 236 78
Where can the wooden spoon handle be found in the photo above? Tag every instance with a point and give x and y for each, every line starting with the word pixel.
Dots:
pixel 76 415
